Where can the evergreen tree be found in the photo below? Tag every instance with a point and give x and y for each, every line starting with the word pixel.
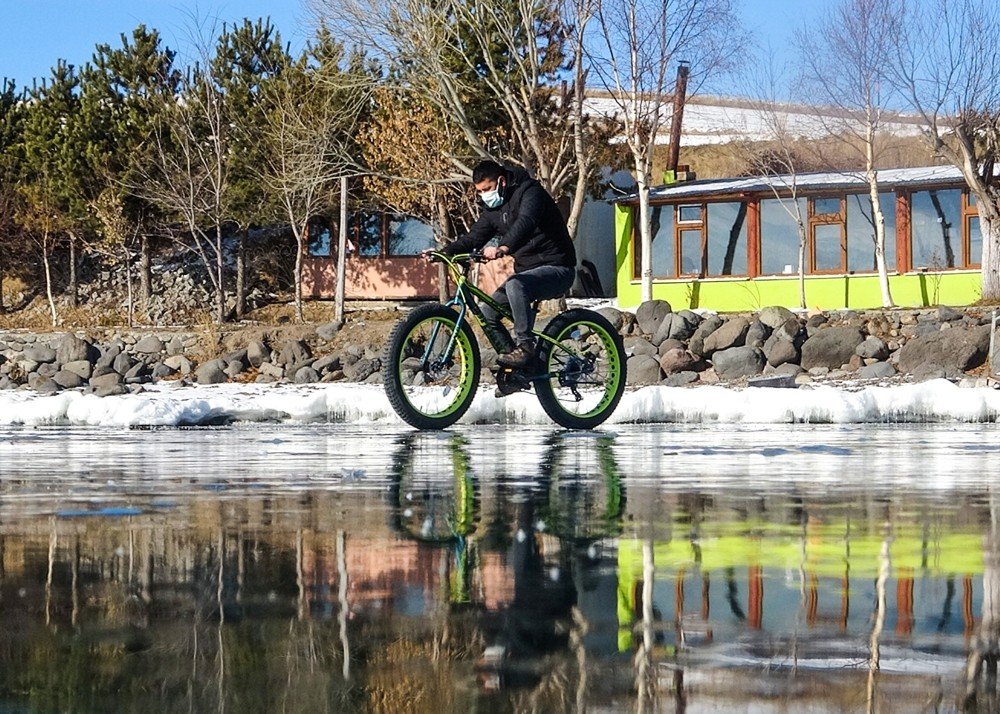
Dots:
pixel 11 123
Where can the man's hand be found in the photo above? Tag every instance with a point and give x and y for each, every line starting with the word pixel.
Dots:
pixel 427 254
pixel 492 252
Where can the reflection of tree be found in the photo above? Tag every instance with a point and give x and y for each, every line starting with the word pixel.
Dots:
pixel 981 670
pixel 949 252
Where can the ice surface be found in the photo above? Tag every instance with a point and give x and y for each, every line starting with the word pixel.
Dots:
pixel 935 400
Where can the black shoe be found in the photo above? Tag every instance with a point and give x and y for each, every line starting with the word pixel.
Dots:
pixel 520 356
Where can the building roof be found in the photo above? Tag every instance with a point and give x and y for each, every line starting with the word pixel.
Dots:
pixel 889 179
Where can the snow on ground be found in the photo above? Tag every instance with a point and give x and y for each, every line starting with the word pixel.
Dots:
pixel 163 405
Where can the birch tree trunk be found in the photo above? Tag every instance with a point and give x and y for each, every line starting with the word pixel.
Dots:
pixel 645 239
pixel 338 298
pixel 48 278
pixel 803 237
pixel 72 288
pixel 241 275
pixel 989 224
pixel 145 272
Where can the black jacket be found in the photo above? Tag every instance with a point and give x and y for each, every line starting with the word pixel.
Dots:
pixel 528 223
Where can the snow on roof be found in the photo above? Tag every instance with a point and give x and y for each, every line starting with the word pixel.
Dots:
pixel 887 178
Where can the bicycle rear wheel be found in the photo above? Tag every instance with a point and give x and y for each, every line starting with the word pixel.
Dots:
pixel 431 367
pixel 585 369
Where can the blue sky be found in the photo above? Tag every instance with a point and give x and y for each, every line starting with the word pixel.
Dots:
pixel 35 33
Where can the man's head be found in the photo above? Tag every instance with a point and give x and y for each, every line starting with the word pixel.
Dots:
pixel 490 180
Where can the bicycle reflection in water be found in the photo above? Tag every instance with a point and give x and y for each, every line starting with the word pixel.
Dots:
pixel 521 550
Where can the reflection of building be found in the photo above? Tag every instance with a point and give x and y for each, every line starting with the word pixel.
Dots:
pixel 730 244
pixel 383 260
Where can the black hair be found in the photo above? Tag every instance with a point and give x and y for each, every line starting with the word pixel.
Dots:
pixel 487 169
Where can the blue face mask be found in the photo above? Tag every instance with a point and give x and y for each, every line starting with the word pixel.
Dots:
pixel 492 199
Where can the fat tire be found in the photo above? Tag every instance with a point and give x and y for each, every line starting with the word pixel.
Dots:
pixel 560 325
pixel 391 376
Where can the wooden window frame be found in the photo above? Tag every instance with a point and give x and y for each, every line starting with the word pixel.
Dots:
pixel 700 226
pixel 826 219
pixel 969 211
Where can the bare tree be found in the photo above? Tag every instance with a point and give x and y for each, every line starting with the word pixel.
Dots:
pixel 634 47
pixel 311 128
pixel 777 163
pixel 843 60
pixel 947 64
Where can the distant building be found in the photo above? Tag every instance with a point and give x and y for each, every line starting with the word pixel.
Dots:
pixel 731 245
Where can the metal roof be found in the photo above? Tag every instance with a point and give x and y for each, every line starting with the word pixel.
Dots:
pixel 888 179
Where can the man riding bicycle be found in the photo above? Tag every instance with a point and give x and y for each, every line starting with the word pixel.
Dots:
pixel 532 230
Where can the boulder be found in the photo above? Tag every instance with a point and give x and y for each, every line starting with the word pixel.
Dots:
pixel 162 371
pixel 71 348
pixel 293 352
pixel 675 326
pixel 779 351
pixel 362 369
pixel 650 314
pixel 43 354
pixel 678 360
pixel 122 363
pixel 105 380
pixel 668 345
pixel 257 353
pixel 738 362
pixel 643 369
pixel 775 316
pixel 109 390
pixel 175 346
pixel 178 363
pixel 784 369
pixel 732 333
pixel 47 369
pixel 82 368
pixel 272 370
pixel 707 326
pixel 328 331
pixel 872 348
pixel 878 370
pixel 680 379
pixel 149 345
pixel 139 369
pixel 947 314
pixel 306 375
pixel 639 346
pixel 211 372
pixel 757 334
pixel 45 385
pixel 614 316
pixel 830 347
pixel 332 362
pixel 67 380
pixel 956 350
pixel 233 369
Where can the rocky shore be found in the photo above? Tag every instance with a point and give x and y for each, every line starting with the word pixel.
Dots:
pixel 663 347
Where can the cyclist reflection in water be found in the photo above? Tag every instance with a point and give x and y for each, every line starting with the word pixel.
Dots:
pixel 536 621
pixel 531 229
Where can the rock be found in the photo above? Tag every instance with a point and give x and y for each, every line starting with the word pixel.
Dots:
pixel 109 390
pixel 639 346
pixel 109 355
pixel 135 371
pixel 801 379
pixel 239 356
pixel 162 371
pixel 878 370
pixel 211 372
pixel 265 379
pixel 650 314
pixel 43 354
pixel 122 364
pixel 328 331
pixel 614 316
pixel 677 360
pixel 272 370
pixel 872 348
pixel 779 351
pixel 293 352
pixel 775 316
pixel 332 362
pixel 680 379
pixel 47 369
pixel 929 371
pixel 257 353
pixel 819 371
pixel 233 369
pixel 71 348
pixel 27 366
pixel 732 333
pixel 707 326
pixel 362 369
pixel 737 362
pixel 643 369
pixel 831 347
pixel 306 375
pixel 178 363
pixel 5 382
pixel 675 326
pixel 956 350
pixel 82 368
pixel 668 345
pixel 149 345
pixel 105 380
pixel 947 314
pixel 67 380
pixel 708 377
pixel 757 334
pixel 175 346
pixel 785 369
pixel 45 385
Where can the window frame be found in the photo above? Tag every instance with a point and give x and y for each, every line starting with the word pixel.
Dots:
pixel 969 211
pixel 826 219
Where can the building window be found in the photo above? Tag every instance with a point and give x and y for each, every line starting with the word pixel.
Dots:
pixel 690 213
pixel 662 229
pixel 861 232
pixel 727 239
pixel 779 235
pixel 320 244
pixel 936 229
pixel 827 239
pixel 409 236
pixel 973 231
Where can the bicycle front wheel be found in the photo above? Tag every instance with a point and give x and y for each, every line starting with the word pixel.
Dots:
pixel 585 369
pixel 431 367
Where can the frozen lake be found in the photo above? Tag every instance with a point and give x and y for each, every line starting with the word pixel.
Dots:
pixel 365 566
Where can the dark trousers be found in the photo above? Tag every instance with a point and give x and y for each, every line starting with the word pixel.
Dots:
pixel 521 289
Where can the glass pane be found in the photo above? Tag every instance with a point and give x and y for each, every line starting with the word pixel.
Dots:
pixel 320 244
pixel 826 247
pixel 823 206
pixel 861 232
pixel 935 224
pixel 691 252
pixel 690 214
pixel 975 241
pixel 972 198
pixel 409 236
pixel 727 239
pixel 779 236
pixel 663 241
pixel 366 231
